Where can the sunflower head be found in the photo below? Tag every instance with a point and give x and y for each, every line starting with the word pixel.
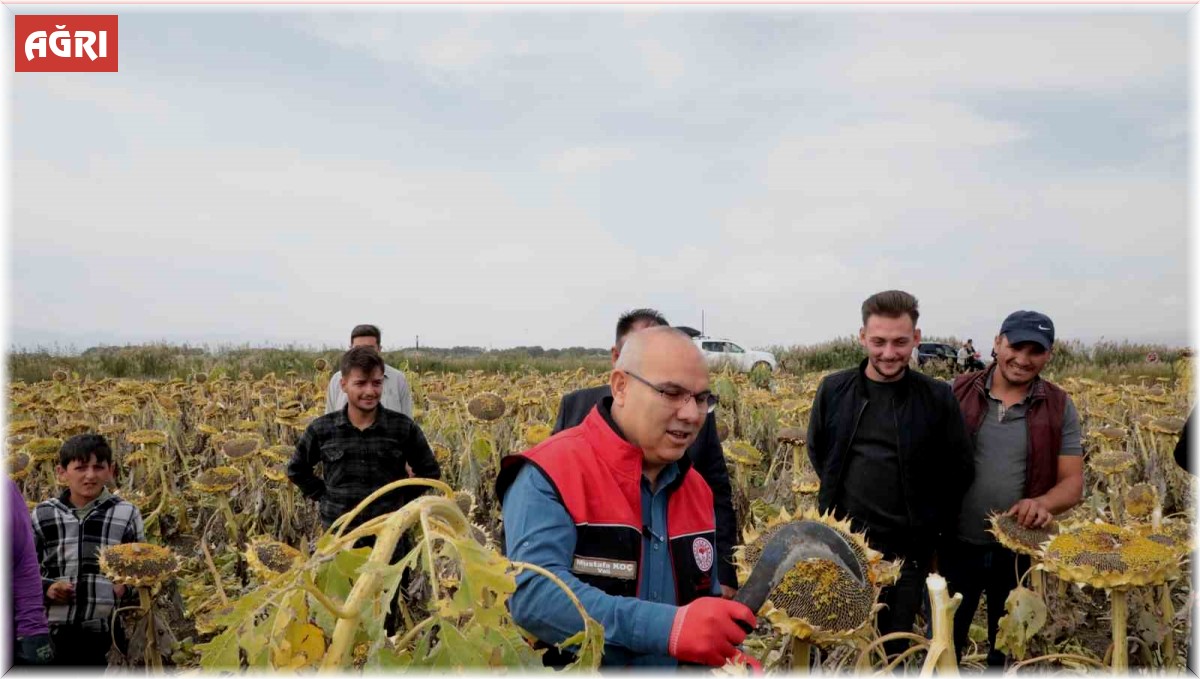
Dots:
pixel 147 437
pixel 1112 462
pixel 536 433
pixel 139 564
pixel 1018 538
pixel 743 453
pixel 1141 500
pixel 270 558
pixel 42 449
pixel 487 406
pixel 217 480
pixel 791 436
pixel 1108 556
pixel 241 448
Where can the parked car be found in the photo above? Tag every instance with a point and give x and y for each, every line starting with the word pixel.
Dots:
pixel 938 352
pixel 719 352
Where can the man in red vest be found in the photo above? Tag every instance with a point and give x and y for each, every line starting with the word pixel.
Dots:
pixel 1028 464
pixel 614 508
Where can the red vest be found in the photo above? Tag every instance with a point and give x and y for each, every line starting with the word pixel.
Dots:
pixel 598 477
pixel 1043 421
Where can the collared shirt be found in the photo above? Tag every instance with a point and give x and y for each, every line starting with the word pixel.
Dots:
pixel 82 512
pixel 1001 455
pixel 396 396
pixel 357 462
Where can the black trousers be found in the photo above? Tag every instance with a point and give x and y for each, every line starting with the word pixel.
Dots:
pixel 85 644
pixel 903 600
pixel 972 570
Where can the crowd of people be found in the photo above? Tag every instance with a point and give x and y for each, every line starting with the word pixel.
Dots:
pixel 629 501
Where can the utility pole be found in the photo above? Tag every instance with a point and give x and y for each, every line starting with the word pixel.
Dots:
pixel 418 342
pixel 702 321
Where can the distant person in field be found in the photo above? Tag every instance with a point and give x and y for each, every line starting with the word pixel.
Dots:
pixel 614 508
pixel 964 355
pixel 706 454
pixel 396 396
pixel 69 531
pixel 892 453
pixel 31 632
pixel 363 446
pixel 1028 464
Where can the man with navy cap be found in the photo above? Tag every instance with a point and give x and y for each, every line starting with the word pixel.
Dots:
pixel 1028 464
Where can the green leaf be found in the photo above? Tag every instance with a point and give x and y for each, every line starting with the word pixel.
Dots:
pixel 336 577
pixel 221 653
pixel 1025 615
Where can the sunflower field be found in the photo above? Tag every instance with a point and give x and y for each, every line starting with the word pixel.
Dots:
pixel 236 573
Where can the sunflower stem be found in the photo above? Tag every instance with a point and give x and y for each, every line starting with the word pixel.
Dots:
pixel 1120 616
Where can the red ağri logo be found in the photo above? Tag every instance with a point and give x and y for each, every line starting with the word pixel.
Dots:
pixel 702 549
pixel 66 42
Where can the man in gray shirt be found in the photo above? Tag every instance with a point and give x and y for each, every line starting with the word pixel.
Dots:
pixel 396 395
pixel 1028 464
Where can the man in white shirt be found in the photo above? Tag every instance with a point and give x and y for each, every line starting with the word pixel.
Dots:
pixel 396 395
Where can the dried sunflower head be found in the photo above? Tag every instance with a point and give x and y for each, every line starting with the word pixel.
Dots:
pixel 536 433
pixel 42 449
pixel 270 558
pixel 808 484
pixel 19 466
pixel 819 601
pixel 1112 462
pixel 1018 538
pixel 279 453
pixel 1141 500
pixel 139 564
pixel 217 480
pixel 743 453
pixel 241 448
pixel 276 472
pixel 1114 434
pixel 792 436
pixel 1108 556
pixel 147 437
pixel 465 501
pixel 59 375
pixel 722 430
pixel 1167 425
pixel 321 364
pixel 486 406
pixel 22 426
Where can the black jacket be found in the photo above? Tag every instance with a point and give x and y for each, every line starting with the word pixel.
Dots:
pixel 936 458
pixel 707 457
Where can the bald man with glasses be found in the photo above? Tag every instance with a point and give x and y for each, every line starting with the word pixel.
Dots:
pixel 706 453
pixel 615 510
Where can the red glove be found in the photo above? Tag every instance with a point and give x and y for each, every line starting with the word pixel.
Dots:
pixel 705 631
pixel 742 658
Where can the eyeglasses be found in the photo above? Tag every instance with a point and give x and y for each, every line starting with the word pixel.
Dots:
pixel 705 400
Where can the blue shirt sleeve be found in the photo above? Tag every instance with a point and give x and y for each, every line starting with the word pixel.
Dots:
pixel 538 530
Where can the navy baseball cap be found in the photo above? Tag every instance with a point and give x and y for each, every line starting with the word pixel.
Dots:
pixel 1029 326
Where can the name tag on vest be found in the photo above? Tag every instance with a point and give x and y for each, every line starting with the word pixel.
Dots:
pixel 608 568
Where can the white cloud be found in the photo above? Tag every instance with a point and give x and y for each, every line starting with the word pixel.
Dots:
pixel 1076 52
pixel 587 158
pixel 664 65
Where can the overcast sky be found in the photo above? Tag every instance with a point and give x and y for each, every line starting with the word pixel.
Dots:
pixel 520 176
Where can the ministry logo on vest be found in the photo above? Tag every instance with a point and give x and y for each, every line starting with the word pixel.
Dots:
pixel 62 43
pixel 702 549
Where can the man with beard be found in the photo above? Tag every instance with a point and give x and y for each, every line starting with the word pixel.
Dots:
pixel 1028 462
pixel 892 453
pixel 706 454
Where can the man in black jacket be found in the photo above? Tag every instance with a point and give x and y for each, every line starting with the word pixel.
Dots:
pixel 706 454
pixel 892 452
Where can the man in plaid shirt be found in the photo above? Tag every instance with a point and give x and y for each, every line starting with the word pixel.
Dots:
pixel 363 447
pixel 69 531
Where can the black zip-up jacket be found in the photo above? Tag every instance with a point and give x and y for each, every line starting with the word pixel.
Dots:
pixel 936 459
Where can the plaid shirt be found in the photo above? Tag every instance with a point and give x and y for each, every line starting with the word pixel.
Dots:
pixel 69 549
pixel 359 462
